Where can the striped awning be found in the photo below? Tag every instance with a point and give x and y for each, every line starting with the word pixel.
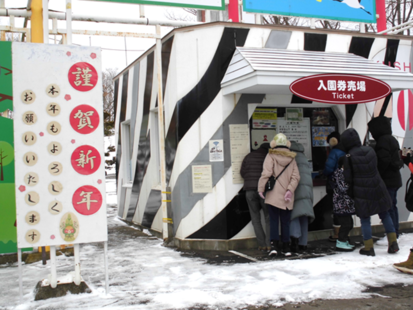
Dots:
pixel 271 71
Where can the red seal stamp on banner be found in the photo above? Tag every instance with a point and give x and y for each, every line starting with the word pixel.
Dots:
pixel 84 119
pixel 87 200
pixel 85 159
pixel 83 76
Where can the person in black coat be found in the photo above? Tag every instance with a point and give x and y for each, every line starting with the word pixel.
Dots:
pixel 368 190
pixel 251 169
pixel 389 164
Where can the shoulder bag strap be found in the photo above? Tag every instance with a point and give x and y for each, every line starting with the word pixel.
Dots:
pixel 283 170
pixel 407 186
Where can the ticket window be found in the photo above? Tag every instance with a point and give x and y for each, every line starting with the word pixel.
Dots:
pixel 308 126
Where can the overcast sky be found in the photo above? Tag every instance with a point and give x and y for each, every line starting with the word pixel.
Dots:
pixel 113 48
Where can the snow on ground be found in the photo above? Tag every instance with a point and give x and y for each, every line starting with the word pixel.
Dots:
pixel 145 275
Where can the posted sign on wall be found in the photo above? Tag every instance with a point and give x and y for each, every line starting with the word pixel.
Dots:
pixel 58 132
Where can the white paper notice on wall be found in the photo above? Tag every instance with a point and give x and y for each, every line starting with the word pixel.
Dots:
pixel 59 146
pixel 240 147
pixel 216 150
pixel 202 179
pixel 298 131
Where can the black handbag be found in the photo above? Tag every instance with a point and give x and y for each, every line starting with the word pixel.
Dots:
pixel 270 184
pixel 408 198
pixel 271 181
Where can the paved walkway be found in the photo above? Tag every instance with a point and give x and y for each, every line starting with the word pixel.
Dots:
pixel 315 249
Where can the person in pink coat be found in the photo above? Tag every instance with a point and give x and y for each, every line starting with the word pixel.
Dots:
pixel 280 162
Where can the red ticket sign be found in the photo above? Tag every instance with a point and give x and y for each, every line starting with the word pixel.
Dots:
pixel 87 200
pixel 340 88
pixel 84 119
pixel 83 76
pixel 85 159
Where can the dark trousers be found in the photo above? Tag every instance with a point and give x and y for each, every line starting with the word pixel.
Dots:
pixel 255 204
pixel 394 212
pixel 336 222
pixel 276 216
pixel 346 225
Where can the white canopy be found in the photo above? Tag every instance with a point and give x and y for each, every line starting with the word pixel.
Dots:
pixel 271 71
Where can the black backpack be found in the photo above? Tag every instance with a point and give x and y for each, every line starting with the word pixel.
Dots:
pixel 408 198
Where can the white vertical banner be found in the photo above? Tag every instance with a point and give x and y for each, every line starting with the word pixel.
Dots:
pixel 59 149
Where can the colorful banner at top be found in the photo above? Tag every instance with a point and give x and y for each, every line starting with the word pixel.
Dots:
pixel 196 4
pixel 346 10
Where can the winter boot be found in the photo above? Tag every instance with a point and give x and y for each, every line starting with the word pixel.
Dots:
pixel 302 248
pixel 286 249
pixel 294 245
pixel 275 249
pixel 407 266
pixel 368 248
pixel 344 246
pixel 334 237
pixel 393 246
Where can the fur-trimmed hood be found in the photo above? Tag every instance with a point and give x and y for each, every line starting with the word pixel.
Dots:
pixel 283 156
pixel 282 152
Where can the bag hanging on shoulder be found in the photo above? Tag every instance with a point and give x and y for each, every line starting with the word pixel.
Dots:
pixel 271 181
pixel 270 184
pixel 408 198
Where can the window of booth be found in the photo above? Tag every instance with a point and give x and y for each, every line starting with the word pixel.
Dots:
pixel 308 126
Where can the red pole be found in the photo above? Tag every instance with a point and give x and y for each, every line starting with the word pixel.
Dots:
pixel 233 11
pixel 381 11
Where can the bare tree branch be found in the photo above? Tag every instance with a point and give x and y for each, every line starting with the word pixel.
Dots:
pixel 108 101
pixel 173 15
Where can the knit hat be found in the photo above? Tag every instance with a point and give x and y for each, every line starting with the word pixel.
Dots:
pixel 280 139
pixel 333 138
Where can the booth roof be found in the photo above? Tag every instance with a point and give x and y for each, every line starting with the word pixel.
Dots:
pixel 271 71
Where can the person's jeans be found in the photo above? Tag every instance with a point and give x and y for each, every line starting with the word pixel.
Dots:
pixel 299 229
pixel 346 225
pixel 279 215
pixel 255 204
pixel 366 225
pixel 394 212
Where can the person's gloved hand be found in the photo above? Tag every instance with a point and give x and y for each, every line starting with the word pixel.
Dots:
pixel 261 195
pixel 288 195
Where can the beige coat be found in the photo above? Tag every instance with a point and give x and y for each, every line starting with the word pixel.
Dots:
pixel 274 163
